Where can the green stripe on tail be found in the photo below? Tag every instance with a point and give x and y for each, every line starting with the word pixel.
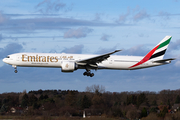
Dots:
pixel 164 43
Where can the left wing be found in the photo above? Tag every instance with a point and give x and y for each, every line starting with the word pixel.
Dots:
pixel 94 60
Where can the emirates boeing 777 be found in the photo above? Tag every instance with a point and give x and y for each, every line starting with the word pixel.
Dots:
pixel 72 62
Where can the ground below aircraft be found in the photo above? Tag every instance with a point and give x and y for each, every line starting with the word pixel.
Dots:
pixel 72 62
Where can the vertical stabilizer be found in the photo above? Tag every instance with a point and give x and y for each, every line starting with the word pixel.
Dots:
pixel 161 49
pixel 157 53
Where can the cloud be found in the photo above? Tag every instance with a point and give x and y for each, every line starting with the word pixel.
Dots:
pixel 9 49
pixel 138 50
pixel 123 17
pixel 141 35
pixel 164 15
pixel 52 51
pixel 105 37
pixel 1 37
pixel 29 25
pixel 51 6
pixel 174 45
pixel 136 14
pixel 3 18
pixel 77 33
pixel 33 78
pixel 140 15
pixel 98 17
pixel 105 50
pixel 177 63
pixel 175 0
pixel 75 49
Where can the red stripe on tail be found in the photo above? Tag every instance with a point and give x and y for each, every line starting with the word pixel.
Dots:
pixel 146 58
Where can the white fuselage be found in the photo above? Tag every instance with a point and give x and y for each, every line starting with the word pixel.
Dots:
pixel 56 60
pixel 72 62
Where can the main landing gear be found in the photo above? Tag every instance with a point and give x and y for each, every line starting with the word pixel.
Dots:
pixel 88 73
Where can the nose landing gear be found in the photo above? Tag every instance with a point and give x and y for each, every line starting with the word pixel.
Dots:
pixel 15 71
pixel 15 67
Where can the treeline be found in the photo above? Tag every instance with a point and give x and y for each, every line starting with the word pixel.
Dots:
pixel 95 101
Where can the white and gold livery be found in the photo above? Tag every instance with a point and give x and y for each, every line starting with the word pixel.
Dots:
pixel 72 62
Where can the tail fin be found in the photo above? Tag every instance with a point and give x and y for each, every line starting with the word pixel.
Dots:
pixel 157 53
pixel 160 49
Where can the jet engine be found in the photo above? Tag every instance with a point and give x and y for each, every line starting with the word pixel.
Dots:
pixel 68 66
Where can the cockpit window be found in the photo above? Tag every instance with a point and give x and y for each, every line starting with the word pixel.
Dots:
pixel 8 57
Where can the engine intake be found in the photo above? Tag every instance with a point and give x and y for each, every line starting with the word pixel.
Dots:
pixel 68 66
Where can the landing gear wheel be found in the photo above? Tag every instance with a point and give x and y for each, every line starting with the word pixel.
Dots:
pixel 88 73
pixel 92 74
pixel 85 73
pixel 15 71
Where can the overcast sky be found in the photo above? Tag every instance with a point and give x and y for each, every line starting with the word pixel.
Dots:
pixel 89 27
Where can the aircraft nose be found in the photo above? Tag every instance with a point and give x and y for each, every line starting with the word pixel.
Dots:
pixel 4 60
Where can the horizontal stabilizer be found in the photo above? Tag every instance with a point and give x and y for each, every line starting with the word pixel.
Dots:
pixel 164 60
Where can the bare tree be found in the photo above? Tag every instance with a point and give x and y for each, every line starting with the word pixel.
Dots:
pixel 21 95
pixel 95 89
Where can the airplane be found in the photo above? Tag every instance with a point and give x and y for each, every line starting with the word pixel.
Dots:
pixel 72 62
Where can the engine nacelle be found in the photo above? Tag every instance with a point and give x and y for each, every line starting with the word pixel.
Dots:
pixel 68 66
